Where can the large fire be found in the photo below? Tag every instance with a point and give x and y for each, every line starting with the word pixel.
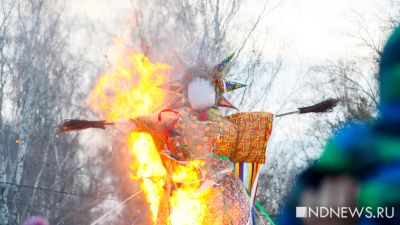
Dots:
pixel 130 90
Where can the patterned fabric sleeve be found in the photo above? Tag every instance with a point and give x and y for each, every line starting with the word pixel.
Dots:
pixel 156 126
pixel 253 132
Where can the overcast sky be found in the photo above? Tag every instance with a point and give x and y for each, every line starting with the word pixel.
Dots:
pixel 306 32
pixel 316 28
pixel 313 28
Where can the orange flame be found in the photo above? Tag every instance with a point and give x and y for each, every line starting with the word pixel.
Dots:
pixel 188 206
pixel 129 91
pixel 149 169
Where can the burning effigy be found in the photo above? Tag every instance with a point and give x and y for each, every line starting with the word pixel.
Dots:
pixel 188 157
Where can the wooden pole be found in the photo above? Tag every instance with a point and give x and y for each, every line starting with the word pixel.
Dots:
pixel 288 113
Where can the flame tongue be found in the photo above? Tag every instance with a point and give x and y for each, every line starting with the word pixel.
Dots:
pixel 188 206
pixel 149 169
pixel 130 90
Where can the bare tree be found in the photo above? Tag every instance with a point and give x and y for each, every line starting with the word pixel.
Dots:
pixel 39 173
pixel 5 132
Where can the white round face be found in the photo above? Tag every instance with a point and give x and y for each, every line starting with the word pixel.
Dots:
pixel 201 94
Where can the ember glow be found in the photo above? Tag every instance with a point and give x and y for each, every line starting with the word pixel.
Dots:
pixel 128 91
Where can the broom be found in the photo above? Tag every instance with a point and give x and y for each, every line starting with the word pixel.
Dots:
pixel 321 107
pixel 76 124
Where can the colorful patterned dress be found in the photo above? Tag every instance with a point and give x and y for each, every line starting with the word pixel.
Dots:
pixel 219 141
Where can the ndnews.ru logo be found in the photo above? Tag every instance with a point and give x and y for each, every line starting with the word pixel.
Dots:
pixel 344 212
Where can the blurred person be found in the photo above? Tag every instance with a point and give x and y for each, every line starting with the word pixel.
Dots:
pixel 360 167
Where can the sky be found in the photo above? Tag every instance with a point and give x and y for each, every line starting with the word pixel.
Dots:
pixel 315 29
pixel 305 32
pixel 311 32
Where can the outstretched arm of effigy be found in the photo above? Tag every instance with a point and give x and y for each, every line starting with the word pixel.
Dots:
pixel 154 123
pixel 147 123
